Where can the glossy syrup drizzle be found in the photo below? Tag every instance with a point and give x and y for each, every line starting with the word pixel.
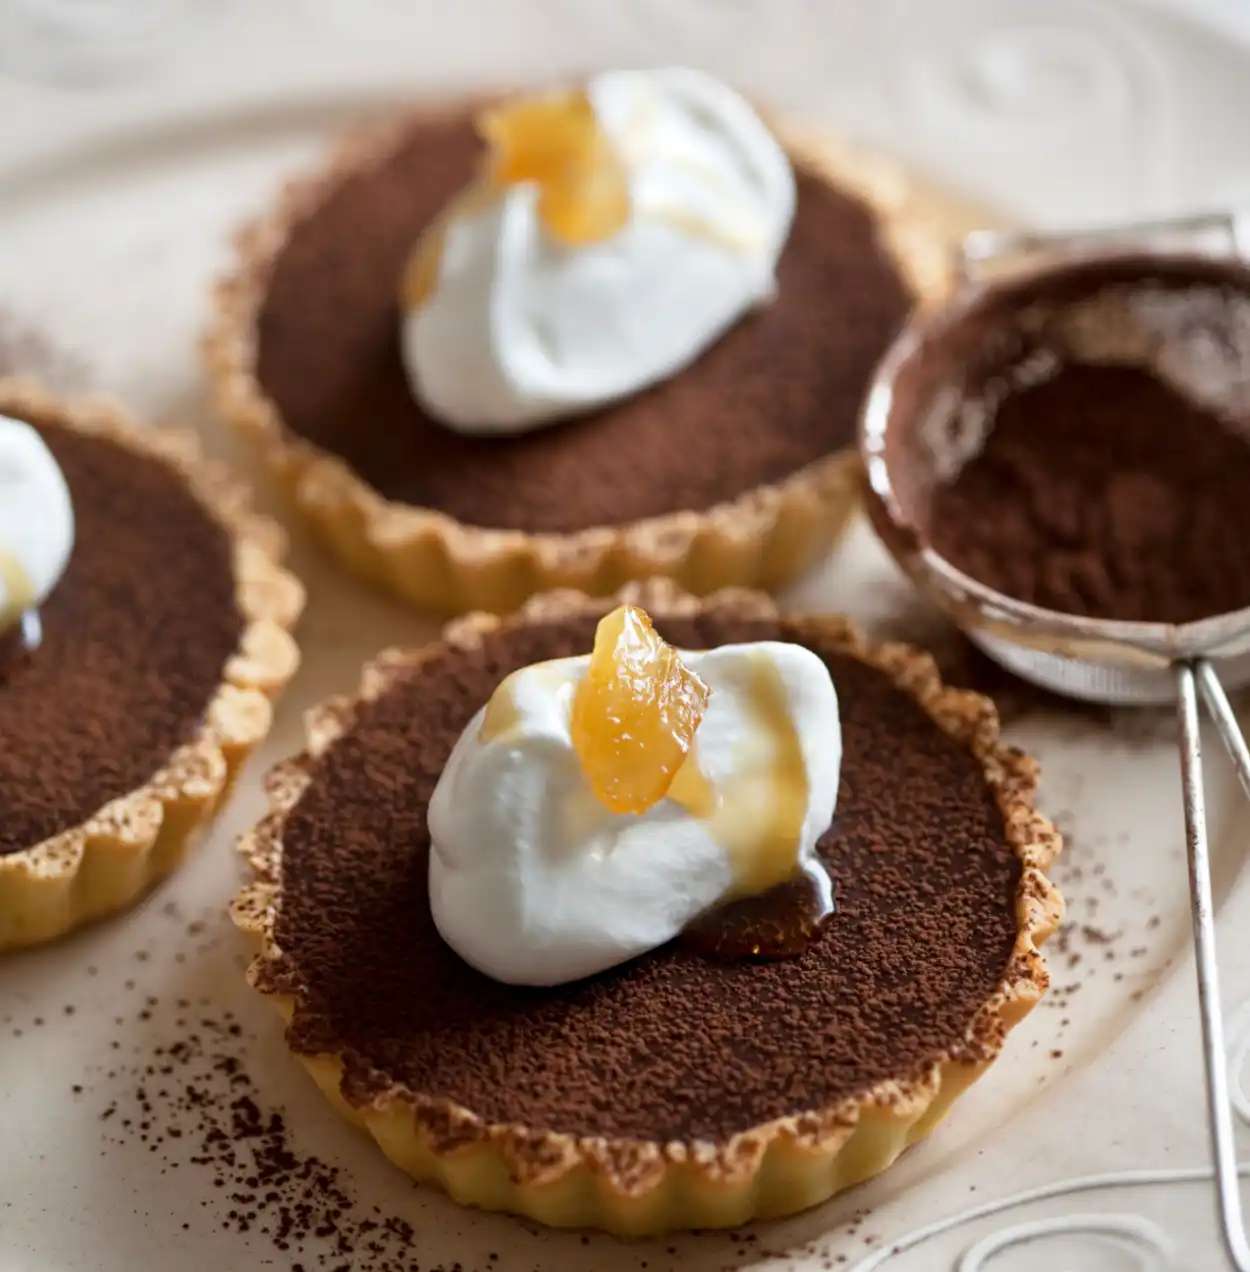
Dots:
pixel 780 903
pixel 779 923
pixel 19 593
pixel 21 631
pixel 18 642
pixel 503 712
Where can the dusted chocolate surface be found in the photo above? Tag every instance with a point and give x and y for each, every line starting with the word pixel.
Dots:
pixel 1104 492
pixel 135 641
pixel 671 1045
pixel 780 390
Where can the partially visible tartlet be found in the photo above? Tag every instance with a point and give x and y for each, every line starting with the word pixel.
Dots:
pixel 739 470
pixel 164 645
pixel 674 1091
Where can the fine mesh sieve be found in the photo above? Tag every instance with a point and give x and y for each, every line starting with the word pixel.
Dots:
pixel 1173 296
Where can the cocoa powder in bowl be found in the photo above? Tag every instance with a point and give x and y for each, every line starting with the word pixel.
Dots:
pixel 1080 440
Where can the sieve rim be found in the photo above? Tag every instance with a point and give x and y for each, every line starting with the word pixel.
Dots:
pixel 975 606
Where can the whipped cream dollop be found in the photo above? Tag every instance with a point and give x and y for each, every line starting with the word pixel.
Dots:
pixel 513 327
pixel 534 881
pixel 36 521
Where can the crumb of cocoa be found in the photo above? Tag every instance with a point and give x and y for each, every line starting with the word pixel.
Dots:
pixel 1097 936
pixel 193 1103
pixel 27 352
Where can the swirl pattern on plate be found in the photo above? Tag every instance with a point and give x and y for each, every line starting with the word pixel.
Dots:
pixel 1146 1240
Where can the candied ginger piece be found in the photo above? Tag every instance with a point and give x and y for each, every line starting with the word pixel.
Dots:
pixel 555 141
pixel 532 137
pixel 585 205
pixel 635 715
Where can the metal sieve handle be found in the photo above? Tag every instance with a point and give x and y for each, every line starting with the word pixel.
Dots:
pixel 1193 678
pixel 984 247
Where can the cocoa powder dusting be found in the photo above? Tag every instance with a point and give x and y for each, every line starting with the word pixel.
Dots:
pixel 778 391
pixel 195 1106
pixel 132 650
pixel 1104 492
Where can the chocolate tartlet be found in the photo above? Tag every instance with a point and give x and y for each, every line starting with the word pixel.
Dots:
pixel 161 648
pixel 676 1090
pixel 739 469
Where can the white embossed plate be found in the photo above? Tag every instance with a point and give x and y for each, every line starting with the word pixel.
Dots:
pixel 1073 1153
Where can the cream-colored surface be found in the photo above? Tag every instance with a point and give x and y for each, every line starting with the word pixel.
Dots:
pixel 118 204
pixel 112 859
pixel 765 539
pixel 770 1170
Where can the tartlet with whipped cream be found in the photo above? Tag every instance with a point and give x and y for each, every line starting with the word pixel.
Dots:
pixel 576 338
pixel 650 912
pixel 144 632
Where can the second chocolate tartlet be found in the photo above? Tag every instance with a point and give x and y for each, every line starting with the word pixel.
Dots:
pixel 674 1089
pixel 735 468
pixel 131 697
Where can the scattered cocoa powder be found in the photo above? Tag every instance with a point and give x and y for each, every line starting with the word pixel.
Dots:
pixel 195 1106
pixel 1096 936
pixel 24 351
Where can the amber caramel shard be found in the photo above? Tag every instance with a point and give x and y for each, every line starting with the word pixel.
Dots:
pixel 555 141
pixel 636 714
